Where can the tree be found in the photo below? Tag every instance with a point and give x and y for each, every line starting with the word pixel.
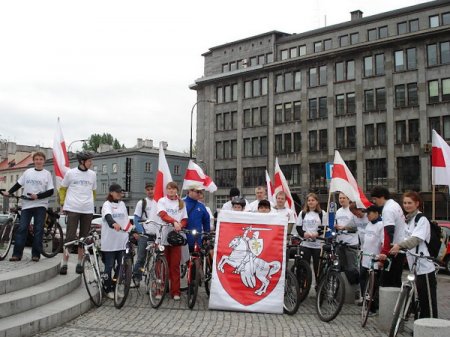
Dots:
pixel 96 139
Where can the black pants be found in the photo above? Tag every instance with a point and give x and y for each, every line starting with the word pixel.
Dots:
pixel 315 254
pixel 393 277
pixel 422 291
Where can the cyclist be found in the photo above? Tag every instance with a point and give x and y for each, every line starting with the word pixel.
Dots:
pixel 198 216
pixel 113 241
pixel 76 196
pixel 146 209
pixel 417 234
pixel 37 185
pixel 171 209
pixel 310 222
pixel 280 207
pixel 238 204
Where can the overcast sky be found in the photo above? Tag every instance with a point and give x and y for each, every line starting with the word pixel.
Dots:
pixel 124 67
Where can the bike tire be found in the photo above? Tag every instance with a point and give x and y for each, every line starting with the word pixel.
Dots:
pixel 399 312
pixel 183 276
pixel 291 301
pixel 123 283
pixel 303 272
pixel 6 235
pixel 330 296
pixel 367 298
pixel 208 273
pixel 158 281
pixel 147 268
pixel 52 241
pixel 193 282
pixel 92 281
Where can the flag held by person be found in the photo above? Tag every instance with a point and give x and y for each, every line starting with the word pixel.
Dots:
pixel 280 184
pixel 60 157
pixel 194 176
pixel 163 177
pixel 440 160
pixel 270 195
pixel 342 180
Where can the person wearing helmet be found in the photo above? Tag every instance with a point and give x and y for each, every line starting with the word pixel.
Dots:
pixel 76 196
pixel 238 204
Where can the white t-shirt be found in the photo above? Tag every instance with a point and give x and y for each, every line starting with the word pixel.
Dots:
pixel 253 206
pixel 112 240
pixel 34 182
pixel 421 231
pixel 392 215
pixel 310 224
pixel 152 214
pixel 228 206
pixel 80 186
pixel 344 217
pixel 171 207
pixel 360 224
pixel 373 241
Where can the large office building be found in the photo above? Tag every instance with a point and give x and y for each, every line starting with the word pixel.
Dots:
pixel 372 87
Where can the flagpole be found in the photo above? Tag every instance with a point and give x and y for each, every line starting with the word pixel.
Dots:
pixel 433 203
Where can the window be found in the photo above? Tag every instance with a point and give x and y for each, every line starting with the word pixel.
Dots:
pixel 253 61
pixel 284 54
pixel 354 38
pixel 445 18
pixel 383 32
pixel 247 147
pixel 264 115
pixel 148 167
pixel 379 64
pixel 445 52
pixel 292 174
pixel 327 44
pixel 279 84
pixel 400 99
pixel 351 103
pixel 256 117
pixel 256 88
pixel 226 149
pixel 293 52
pixel 176 170
pixel 219 150
pixel 225 67
pixel 340 138
pixel 225 178
pixel 368 66
pixel 247 89
pixel 369 134
pixel 413 98
pixel 445 89
pixel 446 124
pixel 339 70
pixel 234 92
pixel 219 95
pixel 323 111
pixel 434 21
pixel 227 93
pixel 434 123
pixel 269 57
pixel 302 50
pixel 232 66
pixel 350 70
pixel 414 25
pixel 313 108
pixel 313 140
pixel 413 130
pixel 254 176
pixel 313 77
pixel 247 118
pixel 234 120
pixel 380 98
pixel 297 110
pixel 114 168
pixel 399 60
pixel 371 34
pixel 233 148
pixel 255 147
pixel 317 46
pixel 368 100
pixel 381 134
pixel 278 114
pixel 400 132
pixel 287 143
pixel 322 75
pixel 297 142
pixel 317 177
pixel 264 86
pixel 340 105
pixel 278 144
pixel 227 120
pixel 411 59
pixel 343 41
pixel 351 137
pixel 287 112
pixel 297 80
pixel 433 91
pixel 261 59
pixel 408 174
pixel 402 28
pixel 323 139
pixel 376 173
pixel 288 82
pixel 432 54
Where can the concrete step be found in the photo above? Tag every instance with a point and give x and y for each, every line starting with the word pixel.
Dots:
pixel 48 316
pixel 28 298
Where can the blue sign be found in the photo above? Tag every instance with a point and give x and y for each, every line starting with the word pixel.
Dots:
pixel 331 218
pixel 328 170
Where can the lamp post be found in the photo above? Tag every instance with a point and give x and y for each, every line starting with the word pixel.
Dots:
pixel 75 141
pixel 192 113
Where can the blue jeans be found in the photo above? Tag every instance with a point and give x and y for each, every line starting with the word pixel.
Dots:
pixel 38 213
pixel 112 260
pixel 140 260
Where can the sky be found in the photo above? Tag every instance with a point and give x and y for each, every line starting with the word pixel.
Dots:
pixel 124 67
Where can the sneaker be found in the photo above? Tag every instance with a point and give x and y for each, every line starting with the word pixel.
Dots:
pixel 175 298
pixel 110 295
pixel 35 258
pixel 372 314
pixel 79 269
pixel 63 270
pixel 15 259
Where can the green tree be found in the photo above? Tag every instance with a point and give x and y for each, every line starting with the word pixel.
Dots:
pixel 96 139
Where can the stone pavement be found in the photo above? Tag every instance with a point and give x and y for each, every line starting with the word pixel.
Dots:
pixel 137 318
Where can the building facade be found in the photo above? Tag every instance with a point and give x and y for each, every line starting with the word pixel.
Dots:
pixel 372 88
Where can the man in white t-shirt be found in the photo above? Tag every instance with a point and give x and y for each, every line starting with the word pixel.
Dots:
pixel 76 196
pixel 37 184
pixel 260 194
pixel 280 207
pixel 360 219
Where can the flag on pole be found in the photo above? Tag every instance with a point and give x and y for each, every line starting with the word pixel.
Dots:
pixel 280 184
pixel 342 180
pixel 163 177
pixel 270 196
pixel 440 161
pixel 194 176
pixel 60 157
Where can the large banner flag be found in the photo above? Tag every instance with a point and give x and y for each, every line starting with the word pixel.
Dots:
pixel 280 184
pixel 249 262
pixel 440 161
pixel 163 177
pixel 270 196
pixel 194 176
pixel 60 157
pixel 342 180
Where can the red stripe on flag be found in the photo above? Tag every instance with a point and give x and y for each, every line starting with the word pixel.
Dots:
pixel 66 156
pixel 437 157
pixel 339 172
pixel 193 175
pixel 159 188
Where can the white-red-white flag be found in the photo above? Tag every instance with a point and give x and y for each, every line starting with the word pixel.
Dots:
pixel 342 180
pixel 195 176
pixel 60 157
pixel 270 196
pixel 163 177
pixel 440 161
pixel 280 184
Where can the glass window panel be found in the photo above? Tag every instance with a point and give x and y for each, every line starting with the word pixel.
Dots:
pixel 323 110
pixel 234 89
pixel 287 143
pixel 264 115
pixel 263 143
pixel 401 28
pixel 340 138
pixel 247 147
pixel 256 117
pixel 381 134
pixel 293 52
pixel 376 173
pixel 278 114
pixel 351 137
pixel 288 82
pixel 413 98
pixel 284 54
pixel 227 93
pixel 226 149
pixel 323 75
pixel 219 150
pixel 247 118
pixel 399 61
pixel 368 66
pixel 219 122
pixel 269 57
pixel 382 32
pixel 433 91
pixel 351 103
pixel 446 122
pixel 234 120
pixel 432 54
pixel 227 120
pixel 261 59
pixel 434 21
pixel 371 34
pixel 225 67
pixel 446 89
pixel 400 99
pixel 232 66
pixel 414 25
pixel 313 108
pixel 408 174
pixel 369 135
pixel 413 130
pixel 264 87
pixel 380 98
pixel 279 84
pixel 302 50
pixel 297 80
pixel 297 142
pixel 400 132
pixel 354 38
pixel 327 44
pixel 233 148
pixel 256 88
pixel 297 110
pixel 323 139
pixel 445 52
pixel 350 70
pixel 343 41
pixel 219 95
pixel 247 89
pixel 434 123
pixel 313 77
pixel 446 19
pixel 411 58
pixel 317 46
pixel 340 105
pixel 287 112
pixel 278 144
pixel 379 64
pixel 313 140
pixel 255 147
pixel 368 100
pixel 253 61
pixel 339 71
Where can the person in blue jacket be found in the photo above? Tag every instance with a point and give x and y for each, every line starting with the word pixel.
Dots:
pixel 198 216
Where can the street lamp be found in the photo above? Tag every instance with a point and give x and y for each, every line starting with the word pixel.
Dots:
pixel 75 141
pixel 192 113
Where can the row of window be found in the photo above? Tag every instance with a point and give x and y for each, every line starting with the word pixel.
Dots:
pixel 288 112
pixel 288 143
pixel 434 94
pixel 255 88
pixel 244 63
pixel 226 121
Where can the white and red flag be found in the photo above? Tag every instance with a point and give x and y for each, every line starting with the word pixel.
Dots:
pixel 60 157
pixel 342 180
pixel 280 184
pixel 194 176
pixel 270 196
pixel 163 177
pixel 440 161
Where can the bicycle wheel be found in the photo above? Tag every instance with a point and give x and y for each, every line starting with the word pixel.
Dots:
pixel 399 312
pixel 193 282
pixel 52 241
pixel 183 276
pixel 6 234
pixel 92 281
pixel 123 283
pixel 158 281
pixel 367 298
pixel 146 273
pixel 208 273
pixel 330 296
pixel 291 293
pixel 303 272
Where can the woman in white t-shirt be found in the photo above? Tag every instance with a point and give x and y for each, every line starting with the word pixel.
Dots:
pixel 113 241
pixel 310 221
pixel 280 207
pixel 417 235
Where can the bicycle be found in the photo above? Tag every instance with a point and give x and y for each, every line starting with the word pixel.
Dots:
pixel 7 228
pixel 92 264
pixel 408 301
pixel 207 252
pixel 291 300
pixel 300 268
pixel 124 274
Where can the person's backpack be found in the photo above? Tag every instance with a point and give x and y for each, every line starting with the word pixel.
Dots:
pixel 144 206
pixel 437 245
